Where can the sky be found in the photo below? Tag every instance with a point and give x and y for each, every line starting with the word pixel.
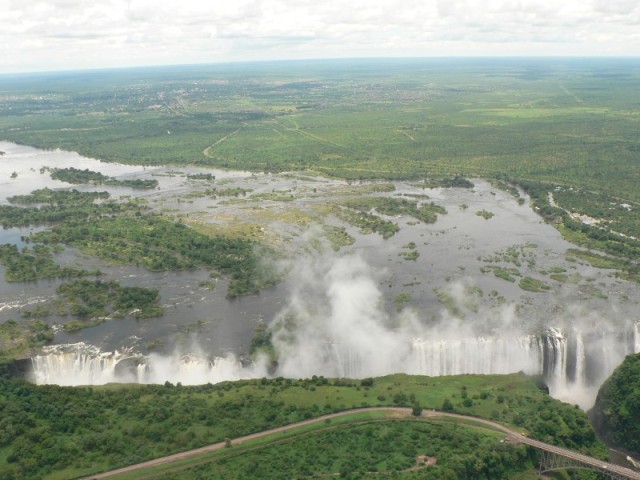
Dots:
pixel 46 35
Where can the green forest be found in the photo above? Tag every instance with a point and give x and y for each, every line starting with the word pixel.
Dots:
pixel 123 232
pixel 617 408
pixel 562 133
pixel 55 432
pixel 551 126
pixel 77 176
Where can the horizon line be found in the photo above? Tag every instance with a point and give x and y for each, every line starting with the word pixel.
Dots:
pixel 318 59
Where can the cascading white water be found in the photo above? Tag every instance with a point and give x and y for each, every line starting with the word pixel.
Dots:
pixel 79 364
pixel 580 373
pixel 555 357
pixel 195 370
pixel 481 355
pixel 573 374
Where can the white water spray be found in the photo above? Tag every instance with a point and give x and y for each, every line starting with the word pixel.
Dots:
pixel 334 326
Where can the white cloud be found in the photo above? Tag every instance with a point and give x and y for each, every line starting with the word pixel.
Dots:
pixel 616 7
pixel 63 34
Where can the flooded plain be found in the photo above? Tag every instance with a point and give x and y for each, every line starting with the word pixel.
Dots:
pixel 462 273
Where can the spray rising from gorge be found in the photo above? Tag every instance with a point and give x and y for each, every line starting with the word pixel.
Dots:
pixel 335 325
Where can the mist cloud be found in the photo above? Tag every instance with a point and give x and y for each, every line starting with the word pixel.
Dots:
pixel 335 324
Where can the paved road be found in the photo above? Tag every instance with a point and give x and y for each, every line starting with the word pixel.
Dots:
pixel 404 412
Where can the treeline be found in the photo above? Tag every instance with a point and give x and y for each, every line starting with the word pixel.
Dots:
pixel 77 176
pixel 425 212
pixel 93 302
pixel 382 449
pixel 78 431
pixel 35 263
pixel 368 222
pixel 358 212
pixel 158 244
pixel 12 216
pixel 19 338
pixel 59 197
pixel 598 236
pixel 457 181
pixel 616 412
pixel 150 241
pixel 91 299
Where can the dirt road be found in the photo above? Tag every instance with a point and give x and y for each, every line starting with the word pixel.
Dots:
pixel 402 412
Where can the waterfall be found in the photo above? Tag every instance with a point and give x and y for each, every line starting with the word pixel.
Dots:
pixel 580 375
pixel 480 355
pixel 346 362
pixel 555 355
pixel 574 362
pixel 79 364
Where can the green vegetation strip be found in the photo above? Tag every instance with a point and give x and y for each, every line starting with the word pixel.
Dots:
pixel 158 244
pixel 611 226
pixel 533 284
pixel 35 263
pixel 151 241
pixel 93 301
pixel 59 211
pixel 77 176
pixel 425 212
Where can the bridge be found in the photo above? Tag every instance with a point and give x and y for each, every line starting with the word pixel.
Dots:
pixel 556 458
pixel 552 457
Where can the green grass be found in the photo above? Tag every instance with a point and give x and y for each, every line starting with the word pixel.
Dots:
pixel 596 260
pixel 559 277
pixel 503 274
pixel 533 285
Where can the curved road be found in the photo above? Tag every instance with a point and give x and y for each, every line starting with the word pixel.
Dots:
pixel 511 434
